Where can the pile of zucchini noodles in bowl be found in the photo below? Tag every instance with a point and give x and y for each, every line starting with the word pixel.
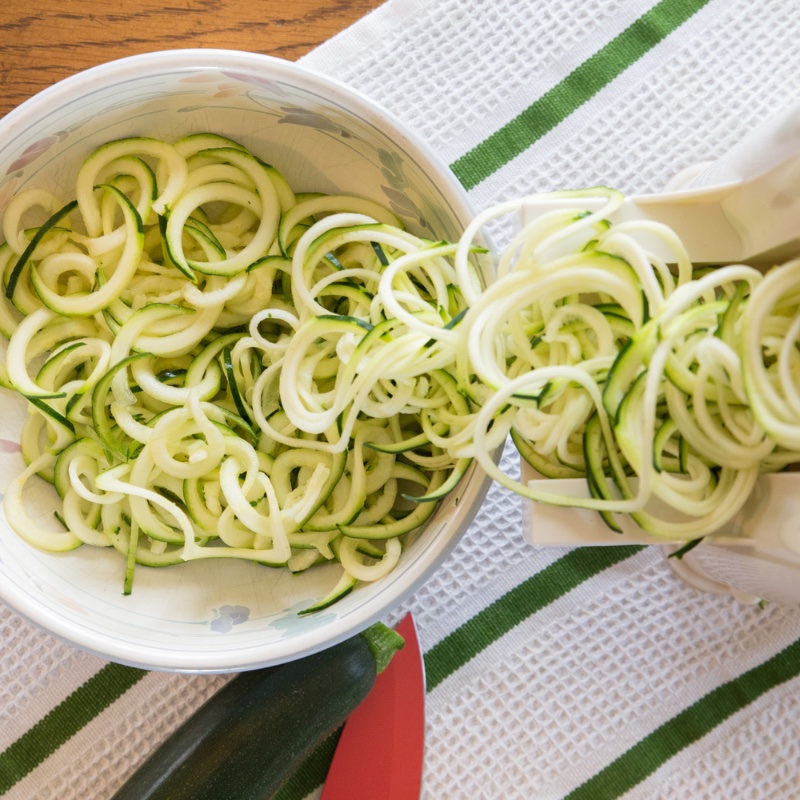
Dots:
pixel 212 370
pixel 217 367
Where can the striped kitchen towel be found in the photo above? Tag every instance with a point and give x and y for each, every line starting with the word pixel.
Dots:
pixel 557 673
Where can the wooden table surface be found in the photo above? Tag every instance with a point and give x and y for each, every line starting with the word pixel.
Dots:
pixel 43 41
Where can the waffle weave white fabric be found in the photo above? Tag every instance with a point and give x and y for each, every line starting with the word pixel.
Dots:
pixel 551 676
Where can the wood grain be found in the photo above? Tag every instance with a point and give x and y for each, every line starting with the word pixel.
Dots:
pixel 42 41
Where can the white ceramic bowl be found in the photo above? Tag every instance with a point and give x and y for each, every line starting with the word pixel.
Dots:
pixel 218 616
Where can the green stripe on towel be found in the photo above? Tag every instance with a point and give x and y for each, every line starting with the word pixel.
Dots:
pixel 497 619
pixel 585 81
pixel 689 726
pixel 479 632
pixel 67 718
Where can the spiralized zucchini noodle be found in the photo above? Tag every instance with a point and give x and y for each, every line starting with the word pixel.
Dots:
pixel 667 388
pixel 219 367
pixel 213 371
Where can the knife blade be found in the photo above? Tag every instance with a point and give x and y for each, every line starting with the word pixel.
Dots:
pixel 381 749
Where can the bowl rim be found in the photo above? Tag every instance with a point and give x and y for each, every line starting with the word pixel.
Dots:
pixel 403 584
pixel 218 58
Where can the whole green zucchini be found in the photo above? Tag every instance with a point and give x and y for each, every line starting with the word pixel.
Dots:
pixel 247 741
